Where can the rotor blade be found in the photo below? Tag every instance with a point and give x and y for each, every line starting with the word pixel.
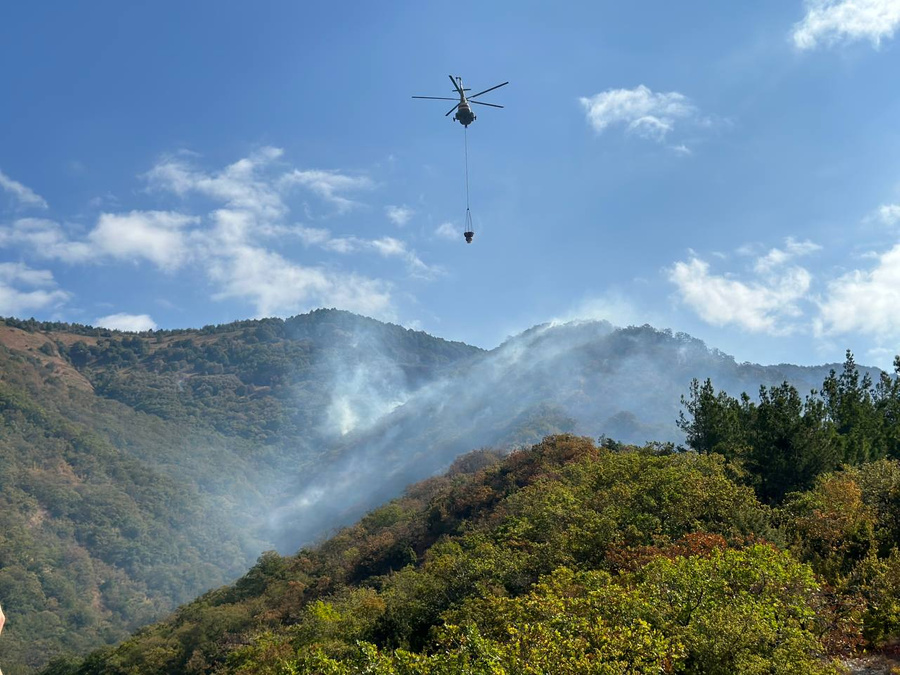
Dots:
pixel 452 109
pixel 487 90
pixel 455 85
pixel 436 98
pixel 493 105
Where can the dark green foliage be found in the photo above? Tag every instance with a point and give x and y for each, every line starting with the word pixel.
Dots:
pixel 712 422
pixel 789 442
pixel 132 465
pixel 784 441
pixel 412 566
pixel 93 543
pixel 566 557
pixel 571 557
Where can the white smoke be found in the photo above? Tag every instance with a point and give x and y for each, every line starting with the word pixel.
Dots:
pixel 585 377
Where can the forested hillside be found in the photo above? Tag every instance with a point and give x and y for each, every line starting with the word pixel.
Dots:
pixel 140 470
pixel 94 540
pixel 137 471
pixel 769 545
pixel 588 378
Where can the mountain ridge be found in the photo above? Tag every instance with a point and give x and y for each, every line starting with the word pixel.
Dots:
pixel 283 430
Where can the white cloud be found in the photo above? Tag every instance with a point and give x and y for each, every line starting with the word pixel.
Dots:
pixel 313 235
pixel 832 21
pixel 131 323
pixel 21 273
pixel 276 286
pixel 40 289
pixel 24 195
pixel 238 186
pixel 642 112
pixel 399 215
pixel 776 256
pixel 768 303
pixel 889 214
pixel 332 186
pixel 46 239
pixel 864 301
pixel 230 242
pixel 156 236
pixel 448 231
pixel 342 245
pixel 387 247
pixel 235 261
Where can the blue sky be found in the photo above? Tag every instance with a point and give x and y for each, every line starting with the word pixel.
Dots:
pixel 731 170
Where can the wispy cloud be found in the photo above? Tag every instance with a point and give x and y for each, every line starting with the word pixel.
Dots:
pixel 46 239
pixel 776 257
pixel 386 247
pixel 23 195
pixel 332 186
pixel 156 236
pixel 24 289
pixel 830 22
pixel 132 323
pixel 768 302
pixel 237 241
pixel 889 214
pixel 448 231
pixel 240 185
pixel 399 215
pixel 641 111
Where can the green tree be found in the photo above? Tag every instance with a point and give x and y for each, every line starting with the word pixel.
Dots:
pixel 711 421
pixel 789 442
pixel 849 403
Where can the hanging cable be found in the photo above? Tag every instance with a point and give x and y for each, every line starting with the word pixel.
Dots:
pixel 466 137
pixel 470 230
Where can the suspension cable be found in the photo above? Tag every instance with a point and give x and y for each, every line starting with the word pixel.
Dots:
pixel 466 137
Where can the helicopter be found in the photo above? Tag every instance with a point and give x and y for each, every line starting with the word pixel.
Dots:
pixel 464 114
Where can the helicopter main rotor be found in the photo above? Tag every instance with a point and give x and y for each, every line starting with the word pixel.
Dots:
pixel 464 115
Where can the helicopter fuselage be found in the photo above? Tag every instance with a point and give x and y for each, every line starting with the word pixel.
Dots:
pixel 464 114
pixel 463 108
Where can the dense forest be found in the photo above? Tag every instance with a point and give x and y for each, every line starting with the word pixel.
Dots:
pixel 264 380
pixel 138 470
pixel 768 545
pixel 92 537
